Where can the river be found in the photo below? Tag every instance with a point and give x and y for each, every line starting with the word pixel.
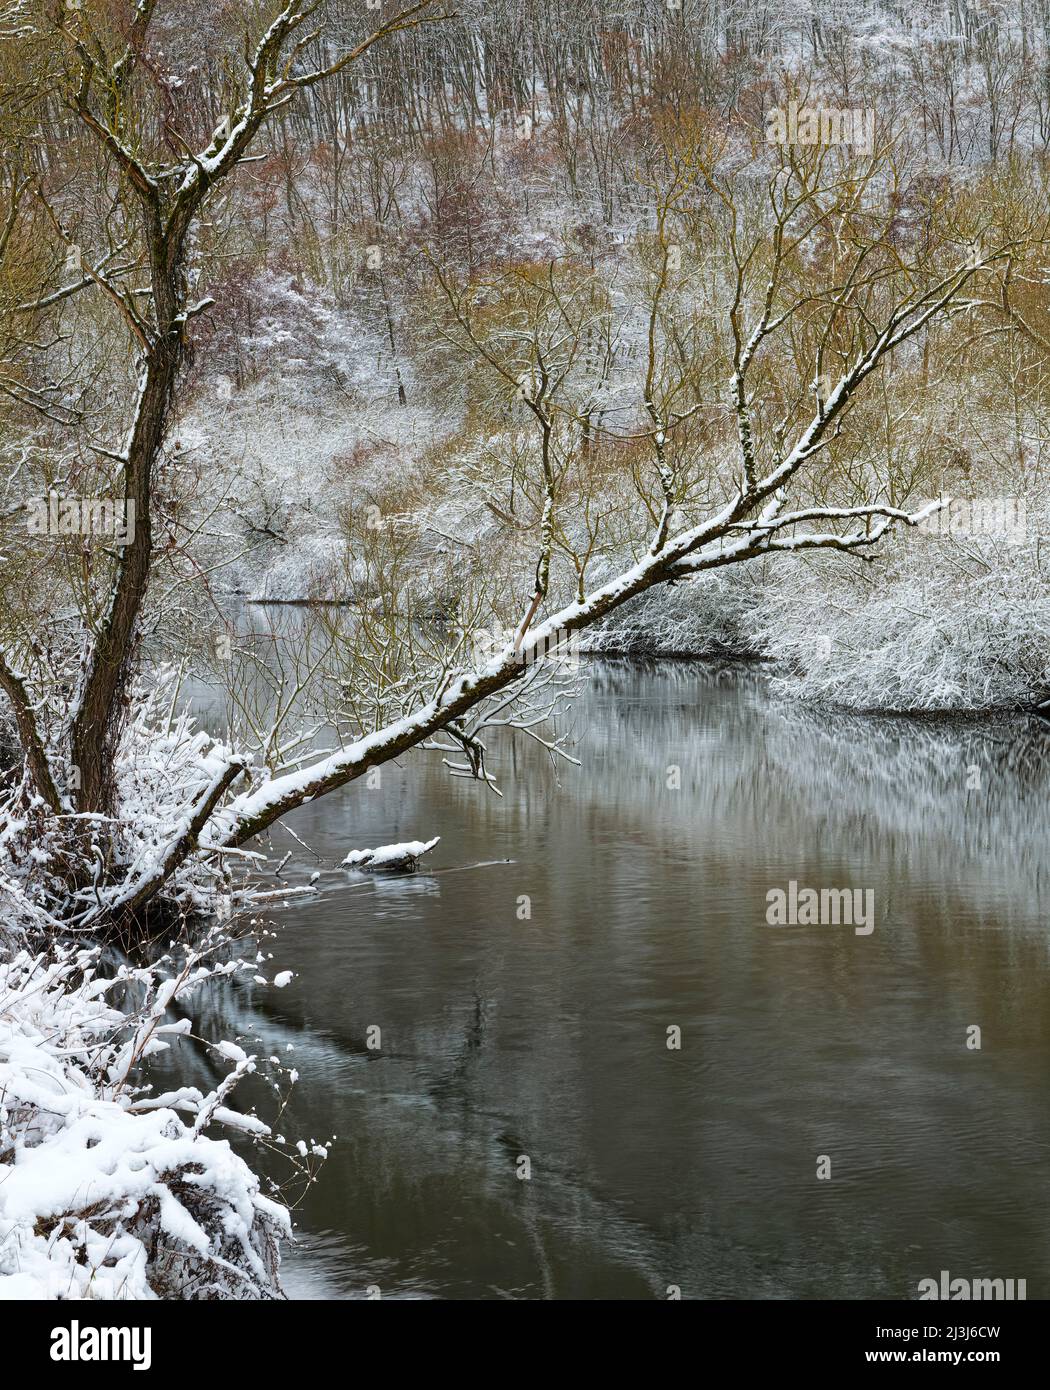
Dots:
pixel 542 1035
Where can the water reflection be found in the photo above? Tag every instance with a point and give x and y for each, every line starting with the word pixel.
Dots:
pixel 546 1037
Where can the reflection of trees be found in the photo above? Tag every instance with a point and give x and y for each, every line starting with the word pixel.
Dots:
pixel 862 784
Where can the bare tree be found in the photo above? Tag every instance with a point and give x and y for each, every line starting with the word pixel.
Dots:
pixel 167 197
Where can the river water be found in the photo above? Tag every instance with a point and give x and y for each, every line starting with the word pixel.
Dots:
pixel 508 1037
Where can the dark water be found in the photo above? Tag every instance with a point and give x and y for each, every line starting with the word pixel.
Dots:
pixel 547 1037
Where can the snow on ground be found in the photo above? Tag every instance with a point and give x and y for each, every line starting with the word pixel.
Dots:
pixel 105 1190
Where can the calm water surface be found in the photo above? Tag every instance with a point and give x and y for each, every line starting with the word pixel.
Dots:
pixel 547 1037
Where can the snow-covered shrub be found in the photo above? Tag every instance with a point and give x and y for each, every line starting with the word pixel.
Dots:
pixel 937 623
pixel 107 1191
pixel 260 316
pixel 940 624
pixel 705 617
pixel 165 763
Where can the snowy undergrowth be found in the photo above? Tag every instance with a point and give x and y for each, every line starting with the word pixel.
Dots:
pixel 165 764
pixel 108 1191
pixel 298 419
pixel 938 625
pixel 704 618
